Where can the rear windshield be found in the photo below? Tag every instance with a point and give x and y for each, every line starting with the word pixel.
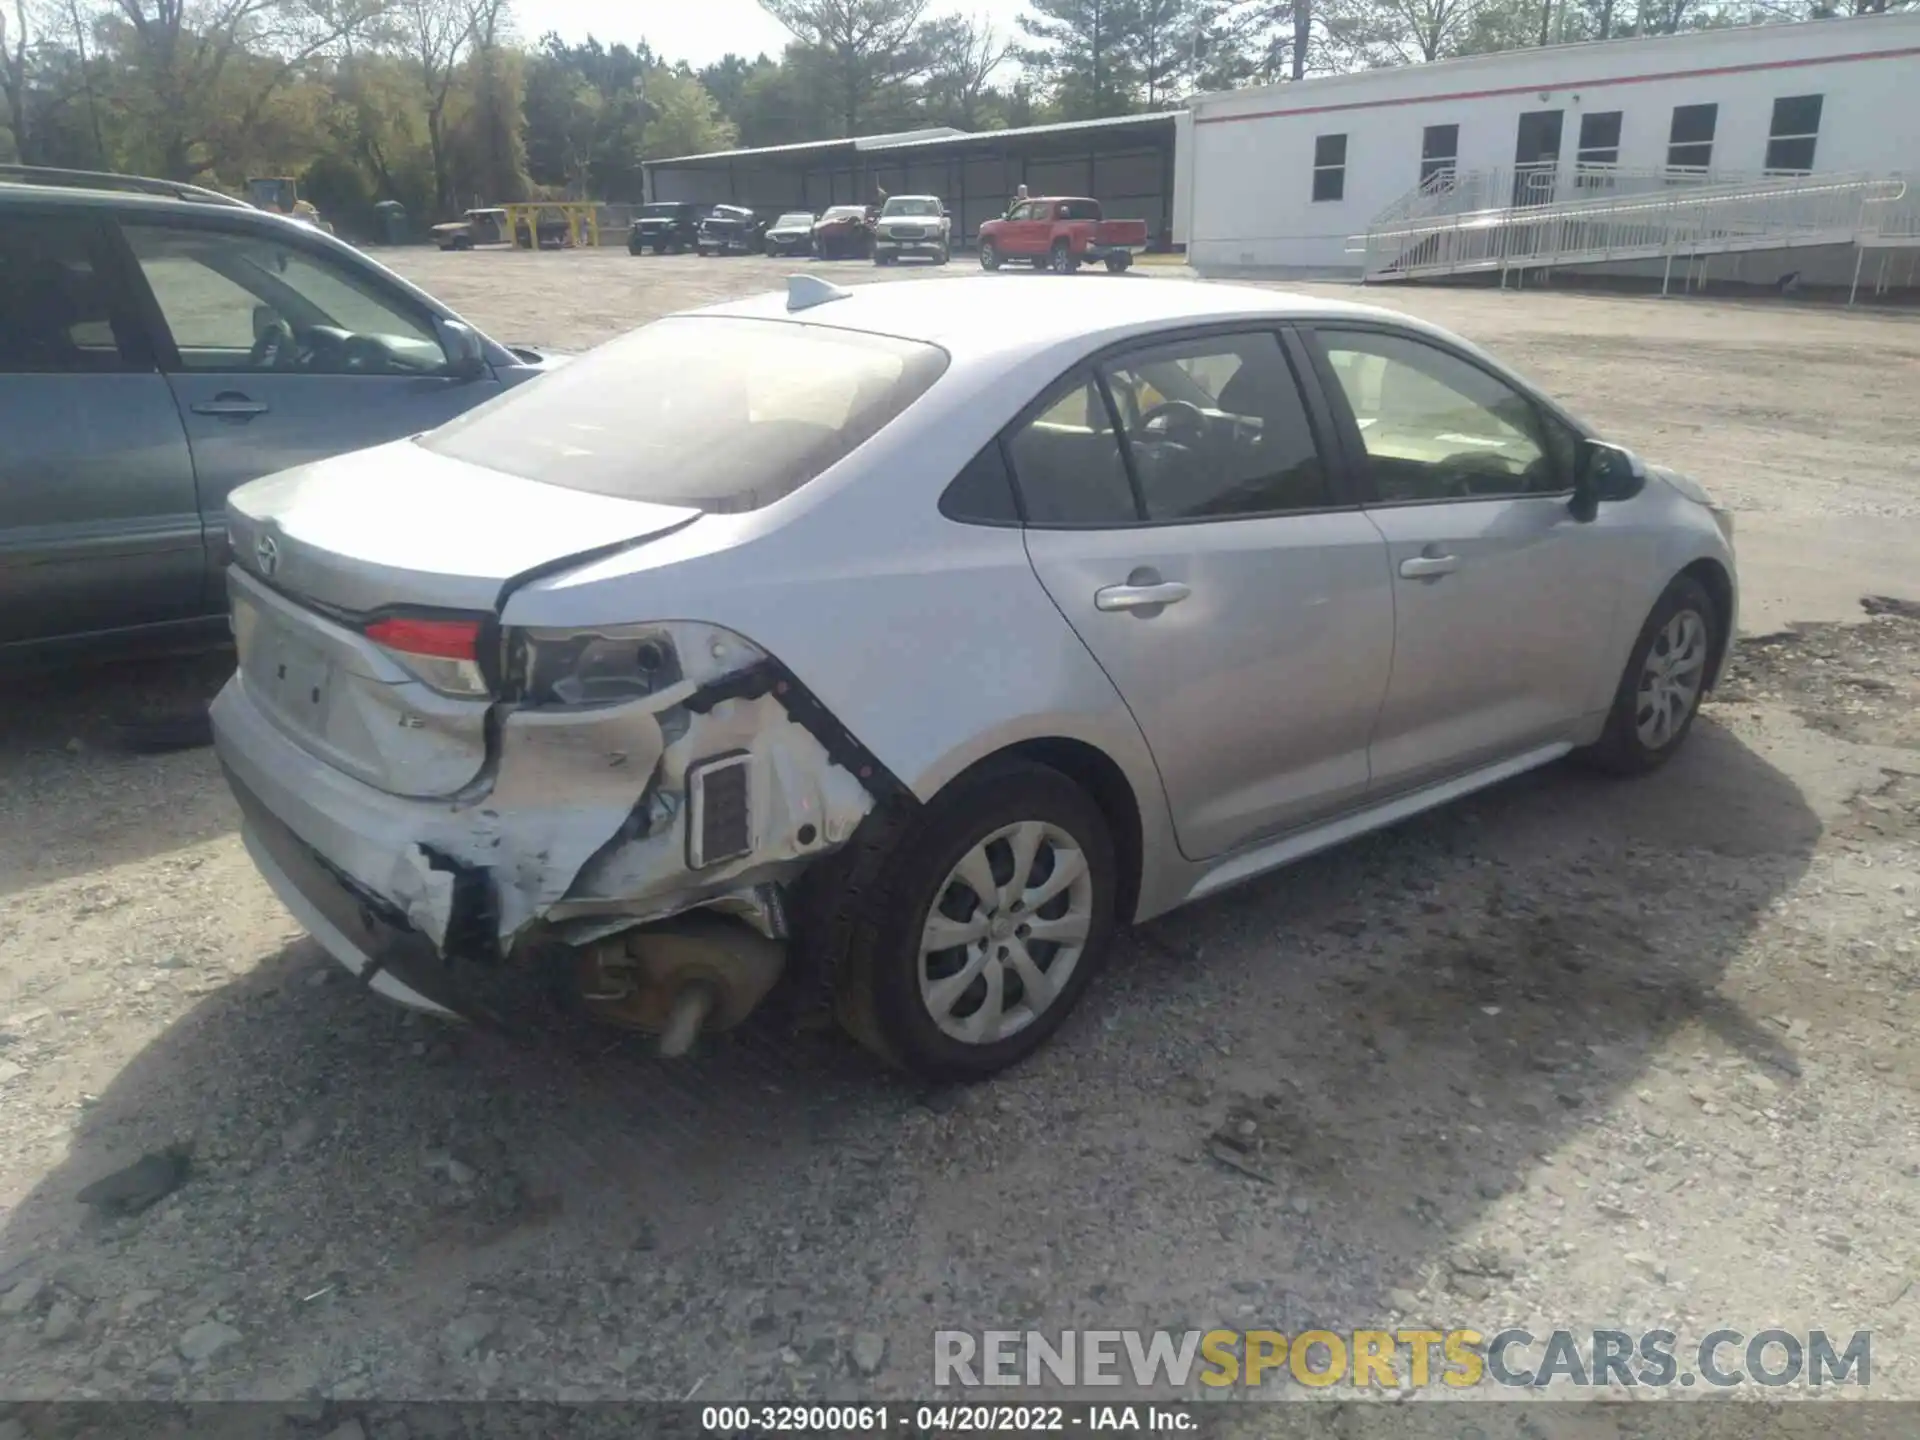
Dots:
pixel 713 412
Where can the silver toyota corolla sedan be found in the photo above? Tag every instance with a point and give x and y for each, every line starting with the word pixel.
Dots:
pixel 890 646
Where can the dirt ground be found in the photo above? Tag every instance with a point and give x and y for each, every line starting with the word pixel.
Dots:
pixel 1570 1054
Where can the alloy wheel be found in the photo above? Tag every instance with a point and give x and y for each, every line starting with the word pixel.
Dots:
pixel 1670 679
pixel 1005 932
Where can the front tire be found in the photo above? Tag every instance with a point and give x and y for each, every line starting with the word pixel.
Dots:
pixel 984 926
pixel 1660 691
pixel 989 256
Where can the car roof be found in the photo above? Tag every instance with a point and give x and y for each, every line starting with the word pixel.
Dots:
pixel 983 314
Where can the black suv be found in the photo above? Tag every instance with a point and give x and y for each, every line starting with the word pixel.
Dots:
pixel 729 228
pixel 666 227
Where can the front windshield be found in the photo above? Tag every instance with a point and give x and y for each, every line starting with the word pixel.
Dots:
pixel 912 206
pixel 844 212
pixel 798 217
pixel 665 211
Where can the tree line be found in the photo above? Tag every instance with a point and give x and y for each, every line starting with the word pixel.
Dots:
pixel 440 104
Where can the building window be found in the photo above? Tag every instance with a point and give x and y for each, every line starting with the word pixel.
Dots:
pixel 1690 141
pixel 1329 167
pixel 1439 156
pixel 1796 126
pixel 1599 152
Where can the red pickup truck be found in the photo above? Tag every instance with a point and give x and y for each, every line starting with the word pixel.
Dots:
pixel 1061 234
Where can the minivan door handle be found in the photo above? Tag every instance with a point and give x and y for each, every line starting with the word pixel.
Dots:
pixel 231 405
pixel 1428 567
pixel 1140 597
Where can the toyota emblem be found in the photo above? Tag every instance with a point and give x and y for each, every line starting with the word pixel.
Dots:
pixel 266 554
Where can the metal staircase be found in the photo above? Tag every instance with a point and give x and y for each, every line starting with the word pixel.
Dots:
pixel 1529 218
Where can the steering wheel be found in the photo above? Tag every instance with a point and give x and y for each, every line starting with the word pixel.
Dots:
pixel 362 354
pixel 1179 421
pixel 273 348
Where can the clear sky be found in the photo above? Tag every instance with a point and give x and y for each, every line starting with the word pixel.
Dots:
pixel 699 31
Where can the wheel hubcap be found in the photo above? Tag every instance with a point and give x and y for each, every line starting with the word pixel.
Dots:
pixel 1005 932
pixel 1670 680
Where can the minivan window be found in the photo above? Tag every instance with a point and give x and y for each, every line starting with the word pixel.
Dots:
pixel 54 312
pixel 237 301
pixel 713 412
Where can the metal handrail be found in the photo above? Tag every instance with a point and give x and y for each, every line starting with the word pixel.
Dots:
pixel 1687 219
pixel 106 180
pixel 1456 192
pixel 1892 220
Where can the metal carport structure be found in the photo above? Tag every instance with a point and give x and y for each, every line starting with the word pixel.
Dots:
pixel 1126 163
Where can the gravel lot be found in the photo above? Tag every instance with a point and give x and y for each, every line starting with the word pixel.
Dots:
pixel 1572 1053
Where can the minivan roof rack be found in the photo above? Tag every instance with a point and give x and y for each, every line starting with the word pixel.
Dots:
pixel 106 180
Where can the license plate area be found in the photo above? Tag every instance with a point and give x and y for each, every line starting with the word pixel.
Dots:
pixel 290 674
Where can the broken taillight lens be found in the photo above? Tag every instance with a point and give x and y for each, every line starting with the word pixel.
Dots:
pixel 441 652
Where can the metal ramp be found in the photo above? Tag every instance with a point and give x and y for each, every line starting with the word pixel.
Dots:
pixel 1500 221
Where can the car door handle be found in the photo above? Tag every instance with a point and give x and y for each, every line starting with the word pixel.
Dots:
pixel 1428 567
pixel 1139 597
pixel 231 405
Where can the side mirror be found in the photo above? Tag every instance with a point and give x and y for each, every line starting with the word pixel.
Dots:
pixel 466 357
pixel 1603 472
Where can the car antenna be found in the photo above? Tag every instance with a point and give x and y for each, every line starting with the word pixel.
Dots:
pixel 806 291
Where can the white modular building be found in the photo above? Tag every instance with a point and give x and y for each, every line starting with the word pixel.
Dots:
pixel 1284 178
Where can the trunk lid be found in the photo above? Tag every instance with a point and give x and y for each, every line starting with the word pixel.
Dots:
pixel 400 525
pixel 323 550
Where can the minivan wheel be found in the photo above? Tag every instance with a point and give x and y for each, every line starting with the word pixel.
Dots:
pixel 983 928
pixel 1659 693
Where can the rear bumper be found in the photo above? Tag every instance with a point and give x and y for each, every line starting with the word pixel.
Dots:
pixel 1100 251
pixel 389 958
pixel 554 844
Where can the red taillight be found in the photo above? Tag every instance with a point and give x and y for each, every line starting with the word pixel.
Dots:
pixel 441 639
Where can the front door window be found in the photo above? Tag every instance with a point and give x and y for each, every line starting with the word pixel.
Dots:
pixel 237 302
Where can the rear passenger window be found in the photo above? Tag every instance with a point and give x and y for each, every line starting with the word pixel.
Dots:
pixel 1217 428
pixel 1068 465
pixel 55 315
pixel 982 494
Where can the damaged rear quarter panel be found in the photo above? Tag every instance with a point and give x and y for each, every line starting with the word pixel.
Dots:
pixel 585 818
pixel 931 641
pixel 564 784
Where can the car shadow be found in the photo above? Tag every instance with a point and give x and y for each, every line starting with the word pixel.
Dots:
pixel 1280 1104
pixel 106 762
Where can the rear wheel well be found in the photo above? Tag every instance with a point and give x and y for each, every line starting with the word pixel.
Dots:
pixel 1719 587
pixel 1094 772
